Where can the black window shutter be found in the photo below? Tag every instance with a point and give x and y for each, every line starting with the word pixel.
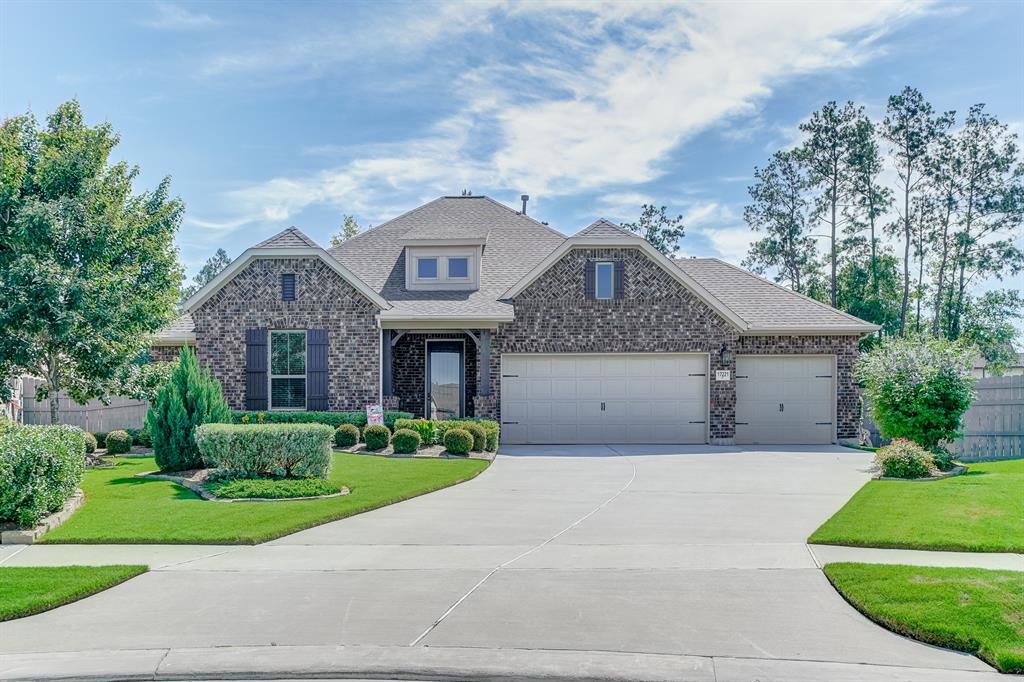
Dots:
pixel 590 280
pixel 316 370
pixel 288 287
pixel 619 287
pixel 256 369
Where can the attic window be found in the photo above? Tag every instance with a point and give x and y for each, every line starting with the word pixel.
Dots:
pixel 288 287
pixel 604 275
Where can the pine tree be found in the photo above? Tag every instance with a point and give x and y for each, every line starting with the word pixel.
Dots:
pixel 191 397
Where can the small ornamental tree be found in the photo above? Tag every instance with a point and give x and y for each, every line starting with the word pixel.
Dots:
pixel 918 388
pixel 191 397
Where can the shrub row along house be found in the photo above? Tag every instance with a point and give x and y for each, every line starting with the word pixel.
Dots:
pixel 466 307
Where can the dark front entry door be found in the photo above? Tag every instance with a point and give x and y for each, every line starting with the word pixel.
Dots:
pixel 445 379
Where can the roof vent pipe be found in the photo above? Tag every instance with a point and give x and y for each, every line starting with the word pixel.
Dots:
pixel 525 198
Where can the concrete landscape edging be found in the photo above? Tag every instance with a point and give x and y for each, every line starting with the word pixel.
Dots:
pixel 27 536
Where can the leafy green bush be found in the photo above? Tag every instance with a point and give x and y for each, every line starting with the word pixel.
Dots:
pixel 266 450
pixel 40 467
pixel 90 442
pixel 5 423
pixel 334 419
pixel 272 488
pixel 191 397
pixel 141 437
pixel 944 459
pixel 458 441
pixel 490 427
pixel 424 427
pixel 918 388
pixel 118 442
pixel 904 459
pixel 346 435
pixel 479 436
pixel 405 441
pixel 376 437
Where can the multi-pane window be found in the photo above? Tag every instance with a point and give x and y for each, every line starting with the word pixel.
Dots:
pixel 287 370
pixel 604 284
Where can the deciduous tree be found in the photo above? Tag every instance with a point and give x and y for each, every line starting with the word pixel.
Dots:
pixel 659 228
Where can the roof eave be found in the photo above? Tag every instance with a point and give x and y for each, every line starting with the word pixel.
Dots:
pixel 853 330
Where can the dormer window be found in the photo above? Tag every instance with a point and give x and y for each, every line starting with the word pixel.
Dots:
pixel 442 268
pixel 426 268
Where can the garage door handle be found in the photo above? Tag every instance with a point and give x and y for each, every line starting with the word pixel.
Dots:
pixel 782 408
pixel 823 423
pixel 693 422
pixel 503 423
pixel 602 407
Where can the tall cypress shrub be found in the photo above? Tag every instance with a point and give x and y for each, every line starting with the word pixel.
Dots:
pixel 191 397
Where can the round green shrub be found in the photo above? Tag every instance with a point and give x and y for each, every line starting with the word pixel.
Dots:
pixel 376 436
pixel 904 459
pixel 346 435
pixel 118 442
pixel 458 441
pixel 479 436
pixel 405 441
pixel 90 443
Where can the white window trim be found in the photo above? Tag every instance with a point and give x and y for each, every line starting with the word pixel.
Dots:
pixel 443 282
pixel 597 268
pixel 270 369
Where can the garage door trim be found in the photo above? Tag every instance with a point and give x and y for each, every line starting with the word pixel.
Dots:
pixel 833 392
pixel 707 372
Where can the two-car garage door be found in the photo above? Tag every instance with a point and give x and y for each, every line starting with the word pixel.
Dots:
pixel 604 398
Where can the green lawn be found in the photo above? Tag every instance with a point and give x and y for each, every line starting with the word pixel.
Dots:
pixel 28 590
pixel 980 511
pixel 120 508
pixel 968 609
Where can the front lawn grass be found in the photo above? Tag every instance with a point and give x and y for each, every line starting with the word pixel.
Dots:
pixel 34 589
pixel 979 511
pixel 120 508
pixel 967 609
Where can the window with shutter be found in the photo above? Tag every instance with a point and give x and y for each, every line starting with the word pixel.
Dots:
pixel 288 287
pixel 287 370
pixel 256 369
pixel 316 370
pixel 604 280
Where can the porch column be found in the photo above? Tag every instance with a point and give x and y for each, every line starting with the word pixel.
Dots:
pixel 485 362
pixel 385 341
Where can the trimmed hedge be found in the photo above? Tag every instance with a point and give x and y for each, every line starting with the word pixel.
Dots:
pixel 458 441
pixel 90 442
pixel 490 427
pixel 376 437
pixel 266 450
pixel 334 419
pixel 40 467
pixel 424 427
pixel 479 436
pixel 346 435
pixel 273 488
pixel 118 442
pixel 405 441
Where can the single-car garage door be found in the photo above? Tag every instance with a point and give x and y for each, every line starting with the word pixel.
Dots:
pixel 785 399
pixel 604 398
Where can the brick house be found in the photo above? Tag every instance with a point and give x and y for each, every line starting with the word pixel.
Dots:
pixel 466 307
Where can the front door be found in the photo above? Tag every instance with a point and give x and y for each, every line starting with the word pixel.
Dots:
pixel 445 379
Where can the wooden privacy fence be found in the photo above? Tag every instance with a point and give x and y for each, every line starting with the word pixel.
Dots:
pixel 993 427
pixel 94 416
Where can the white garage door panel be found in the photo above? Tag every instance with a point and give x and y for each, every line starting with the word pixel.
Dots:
pixel 652 398
pixel 784 399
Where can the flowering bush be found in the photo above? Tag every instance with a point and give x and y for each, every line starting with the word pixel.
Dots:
pixel 918 388
pixel 904 459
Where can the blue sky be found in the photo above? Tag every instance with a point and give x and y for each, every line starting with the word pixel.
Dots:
pixel 268 115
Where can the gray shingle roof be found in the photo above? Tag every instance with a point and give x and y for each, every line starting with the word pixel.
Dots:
pixel 515 245
pixel 292 237
pixel 763 304
pixel 176 330
pixel 604 229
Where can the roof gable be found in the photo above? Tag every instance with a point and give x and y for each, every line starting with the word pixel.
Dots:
pixel 604 229
pixel 291 237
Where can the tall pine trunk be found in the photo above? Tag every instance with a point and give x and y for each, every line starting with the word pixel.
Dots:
pixel 906 254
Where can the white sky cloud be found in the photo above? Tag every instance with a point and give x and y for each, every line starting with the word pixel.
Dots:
pixel 608 119
pixel 171 16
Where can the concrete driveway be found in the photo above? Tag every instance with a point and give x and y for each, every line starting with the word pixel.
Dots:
pixel 618 561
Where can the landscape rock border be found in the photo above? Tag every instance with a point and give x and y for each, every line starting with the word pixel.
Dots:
pixel 200 490
pixel 428 452
pixel 28 536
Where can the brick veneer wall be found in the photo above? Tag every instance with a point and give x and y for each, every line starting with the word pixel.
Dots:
pixel 164 353
pixel 408 376
pixel 323 300
pixel 656 315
